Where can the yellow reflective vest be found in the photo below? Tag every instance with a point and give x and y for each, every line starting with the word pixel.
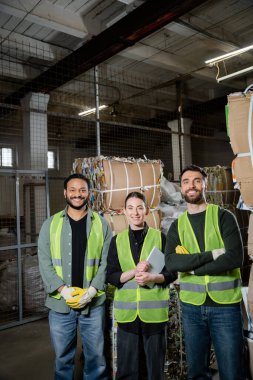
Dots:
pixel 95 246
pixel 132 300
pixel 222 289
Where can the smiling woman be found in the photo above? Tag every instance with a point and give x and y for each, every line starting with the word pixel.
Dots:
pixel 141 297
pixel 135 210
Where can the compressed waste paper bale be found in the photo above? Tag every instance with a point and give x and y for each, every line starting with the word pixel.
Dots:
pixel 33 288
pixel 172 203
pixel 238 116
pixel 33 294
pixel 9 285
pixel 118 222
pixel 220 187
pixel 243 172
pixel 114 178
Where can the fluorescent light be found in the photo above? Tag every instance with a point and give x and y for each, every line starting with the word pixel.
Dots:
pixel 223 57
pixel 91 110
pixel 235 74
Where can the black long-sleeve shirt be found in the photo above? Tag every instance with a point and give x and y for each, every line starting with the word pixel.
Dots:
pixel 203 263
pixel 114 272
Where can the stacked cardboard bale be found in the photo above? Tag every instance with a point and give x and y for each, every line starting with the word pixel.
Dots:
pixel 113 178
pixel 240 124
pixel 118 222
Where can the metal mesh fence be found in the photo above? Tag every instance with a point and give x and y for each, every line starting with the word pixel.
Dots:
pixel 23 210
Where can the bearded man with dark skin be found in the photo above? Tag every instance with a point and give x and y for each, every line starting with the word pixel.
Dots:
pixel 204 244
pixel 73 246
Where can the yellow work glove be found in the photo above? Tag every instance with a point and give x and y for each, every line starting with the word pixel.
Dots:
pixel 181 250
pixel 66 292
pixel 81 297
pixel 76 296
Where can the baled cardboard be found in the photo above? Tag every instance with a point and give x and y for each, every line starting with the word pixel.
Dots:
pixel 238 105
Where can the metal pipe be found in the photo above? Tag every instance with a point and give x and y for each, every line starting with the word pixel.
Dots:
pixel 96 76
pixel 19 256
pixel 179 118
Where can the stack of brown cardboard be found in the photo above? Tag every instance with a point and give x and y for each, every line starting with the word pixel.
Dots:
pixel 113 178
pixel 118 222
pixel 240 125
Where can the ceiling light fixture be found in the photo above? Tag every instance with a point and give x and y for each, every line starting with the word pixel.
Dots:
pixel 232 54
pixel 92 110
pixel 235 74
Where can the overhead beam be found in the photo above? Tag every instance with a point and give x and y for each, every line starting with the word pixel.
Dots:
pixel 141 22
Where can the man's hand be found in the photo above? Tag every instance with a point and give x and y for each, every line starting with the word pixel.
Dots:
pixel 143 266
pixel 66 292
pixel 81 297
pixel 143 278
pixel 217 252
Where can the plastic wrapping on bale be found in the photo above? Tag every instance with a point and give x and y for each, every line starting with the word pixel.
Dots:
pixel 113 178
pixel 220 187
pixel 34 294
pixel 9 285
pixel 33 291
pixel 172 204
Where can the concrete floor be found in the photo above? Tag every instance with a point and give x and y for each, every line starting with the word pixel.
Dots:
pixel 26 353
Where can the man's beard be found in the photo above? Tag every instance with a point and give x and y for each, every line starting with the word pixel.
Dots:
pixel 85 203
pixel 197 200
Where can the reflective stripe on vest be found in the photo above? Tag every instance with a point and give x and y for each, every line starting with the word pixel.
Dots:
pixel 132 300
pixel 95 246
pixel 223 289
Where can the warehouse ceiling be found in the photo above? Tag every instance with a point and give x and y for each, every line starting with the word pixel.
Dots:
pixel 46 45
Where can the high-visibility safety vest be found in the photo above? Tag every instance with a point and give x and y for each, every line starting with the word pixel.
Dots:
pixel 222 289
pixel 95 246
pixel 132 300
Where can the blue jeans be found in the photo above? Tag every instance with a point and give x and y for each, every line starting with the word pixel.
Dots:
pixel 63 330
pixel 223 327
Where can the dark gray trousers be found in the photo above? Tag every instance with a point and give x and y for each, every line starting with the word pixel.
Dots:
pixel 130 357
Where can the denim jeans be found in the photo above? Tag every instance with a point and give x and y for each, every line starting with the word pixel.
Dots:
pixel 63 330
pixel 221 325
